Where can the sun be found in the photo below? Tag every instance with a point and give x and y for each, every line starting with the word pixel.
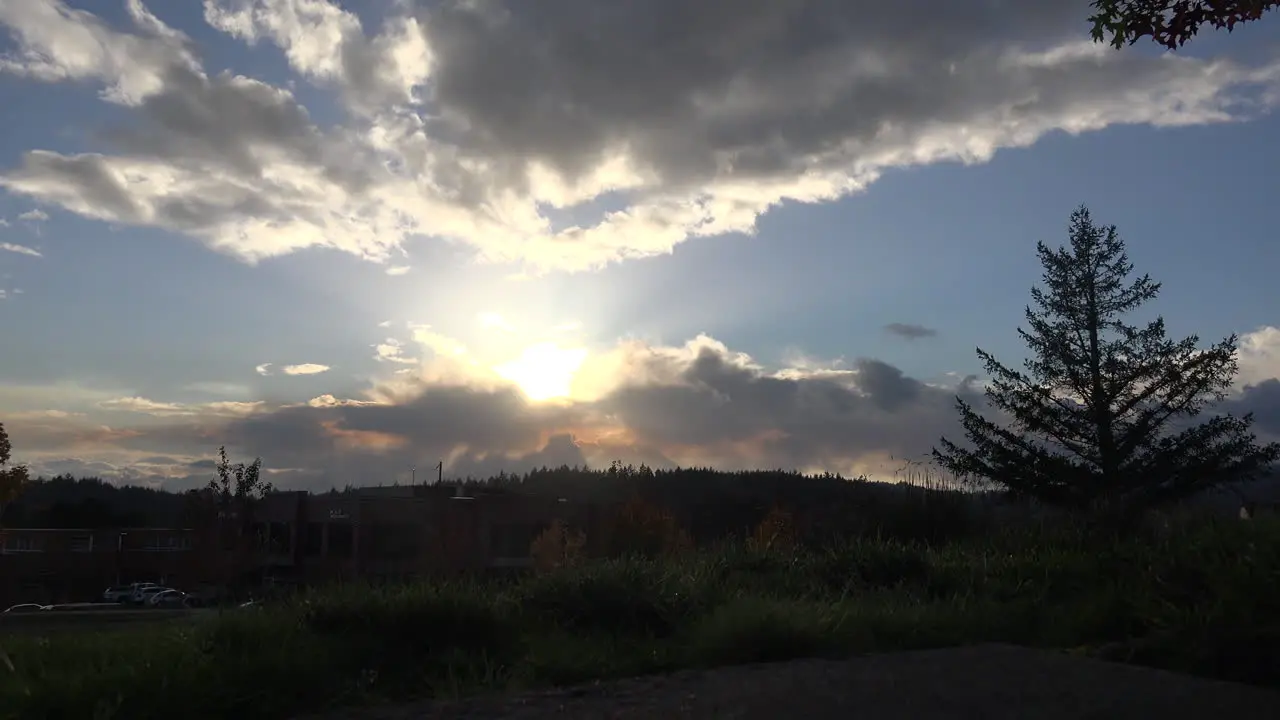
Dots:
pixel 544 371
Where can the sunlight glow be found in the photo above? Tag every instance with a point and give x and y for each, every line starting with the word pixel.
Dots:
pixel 544 371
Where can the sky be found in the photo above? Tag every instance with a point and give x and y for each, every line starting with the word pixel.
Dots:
pixel 355 239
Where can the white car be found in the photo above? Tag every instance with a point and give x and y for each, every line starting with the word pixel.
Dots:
pixel 168 597
pixel 145 593
pixel 27 607
pixel 119 593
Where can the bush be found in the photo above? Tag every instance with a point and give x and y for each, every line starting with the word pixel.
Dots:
pixel 644 529
pixel 775 532
pixel 558 547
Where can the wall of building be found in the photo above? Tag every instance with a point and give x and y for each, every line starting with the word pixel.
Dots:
pixel 74 565
pixel 390 533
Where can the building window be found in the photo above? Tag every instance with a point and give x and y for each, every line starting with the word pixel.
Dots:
pixel 394 541
pixel 278 538
pixel 81 543
pixel 315 539
pixel 168 543
pixel 512 540
pixel 341 540
pixel 23 544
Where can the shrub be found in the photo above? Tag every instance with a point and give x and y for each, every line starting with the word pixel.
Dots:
pixel 775 532
pixel 558 547
pixel 644 529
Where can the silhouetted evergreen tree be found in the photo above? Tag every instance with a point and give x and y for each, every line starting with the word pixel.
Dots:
pixel 1100 415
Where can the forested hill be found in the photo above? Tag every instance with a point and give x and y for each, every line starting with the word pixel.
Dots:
pixel 712 503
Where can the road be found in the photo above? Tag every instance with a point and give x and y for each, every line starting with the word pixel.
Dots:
pixel 49 621
pixel 987 682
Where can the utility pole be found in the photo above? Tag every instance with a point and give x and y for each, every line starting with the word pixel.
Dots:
pixel 413 474
pixel 440 472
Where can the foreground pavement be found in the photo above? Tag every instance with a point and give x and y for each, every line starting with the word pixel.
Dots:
pixel 987 682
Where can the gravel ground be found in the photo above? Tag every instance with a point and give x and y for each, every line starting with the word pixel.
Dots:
pixel 990 682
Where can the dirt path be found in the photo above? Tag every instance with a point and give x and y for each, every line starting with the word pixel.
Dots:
pixel 987 682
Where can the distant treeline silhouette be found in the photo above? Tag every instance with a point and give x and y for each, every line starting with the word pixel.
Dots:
pixel 709 503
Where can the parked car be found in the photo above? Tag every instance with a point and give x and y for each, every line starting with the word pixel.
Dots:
pixel 167 598
pixel 26 607
pixel 119 593
pixel 144 594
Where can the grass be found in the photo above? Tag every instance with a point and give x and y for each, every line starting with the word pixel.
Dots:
pixel 1203 598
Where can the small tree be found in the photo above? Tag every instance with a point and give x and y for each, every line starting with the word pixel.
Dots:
pixel 1170 23
pixel 642 528
pixel 12 479
pixel 1096 416
pixel 226 507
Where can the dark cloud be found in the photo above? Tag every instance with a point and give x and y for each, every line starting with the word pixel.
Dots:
pixel 909 331
pixel 710 406
pixel 714 111
pixel 1263 400
pixel 758 88
pixel 699 405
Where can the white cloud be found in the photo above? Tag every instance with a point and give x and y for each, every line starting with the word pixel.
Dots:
pixel 20 249
pixel 305 369
pixel 57 43
pixel 384 324
pixel 144 406
pixel 263 369
pixel 471 119
pixel 392 350
pixel 328 400
pixel 36 215
pixel 1258 354
pixel 398 270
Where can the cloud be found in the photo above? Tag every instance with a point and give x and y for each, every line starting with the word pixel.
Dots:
pixel 699 403
pixel 263 369
pixel 4 294
pixel 472 121
pixel 20 249
pixel 56 43
pixel 392 350
pixel 494 321
pixel 145 406
pixel 36 215
pixel 909 331
pixel 305 369
pixel 1258 354
pixel 398 270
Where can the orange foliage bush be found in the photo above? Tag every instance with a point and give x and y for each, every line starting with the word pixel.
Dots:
pixel 642 528
pixel 775 532
pixel 557 547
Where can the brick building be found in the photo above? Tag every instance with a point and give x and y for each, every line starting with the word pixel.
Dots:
pixel 406 531
pixel 374 532
pixel 74 565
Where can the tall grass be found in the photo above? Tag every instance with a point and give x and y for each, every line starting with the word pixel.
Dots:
pixel 1202 597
